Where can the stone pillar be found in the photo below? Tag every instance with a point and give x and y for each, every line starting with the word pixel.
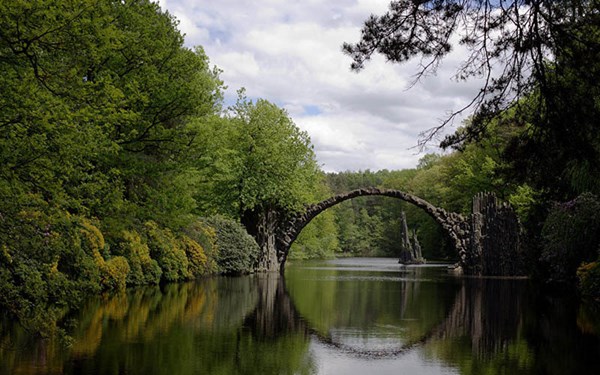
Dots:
pixel 261 224
pixel 494 242
pixel 410 252
pixel 416 247
pixel 406 256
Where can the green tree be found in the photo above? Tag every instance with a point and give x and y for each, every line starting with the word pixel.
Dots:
pixel 238 252
pixel 260 169
pixel 258 159
pixel 96 96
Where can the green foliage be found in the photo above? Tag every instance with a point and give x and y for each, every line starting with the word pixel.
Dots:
pixel 277 161
pixel 143 269
pixel 523 200
pixel 197 260
pixel 571 235
pixel 258 159
pixel 562 114
pixel 237 250
pixel 203 251
pixel 318 240
pixel 168 251
pixel 45 266
pixel 114 273
pixel 588 275
pixel 96 102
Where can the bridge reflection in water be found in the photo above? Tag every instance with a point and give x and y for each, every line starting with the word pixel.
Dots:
pixel 400 313
pixel 319 314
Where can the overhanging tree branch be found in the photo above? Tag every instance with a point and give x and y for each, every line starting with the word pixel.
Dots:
pixel 510 44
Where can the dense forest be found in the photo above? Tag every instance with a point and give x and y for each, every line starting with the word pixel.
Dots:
pixel 120 165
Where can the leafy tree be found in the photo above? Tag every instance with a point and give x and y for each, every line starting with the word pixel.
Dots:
pixel 96 97
pixel 561 132
pixel 260 168
pixel 277 160
pixel 546 57
pixel 258 160
pixel 571 235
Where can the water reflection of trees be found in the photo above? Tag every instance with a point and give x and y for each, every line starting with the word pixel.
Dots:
pixel 488 312
pixel 216 326
pixel 477 325
pixel 380 312
pixel 508 327
pixel 254 325
pixel 275 313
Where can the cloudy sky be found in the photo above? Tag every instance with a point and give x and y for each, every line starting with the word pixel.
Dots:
pixel 289 52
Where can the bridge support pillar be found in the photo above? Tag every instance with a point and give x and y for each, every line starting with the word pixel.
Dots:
pixel 262 225
pixel 494 247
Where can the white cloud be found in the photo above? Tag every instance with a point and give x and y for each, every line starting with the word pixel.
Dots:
pixel 290 53
pixel 240 65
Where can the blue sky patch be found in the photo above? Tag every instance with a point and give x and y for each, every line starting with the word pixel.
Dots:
pixel 312 110
pixel 220 35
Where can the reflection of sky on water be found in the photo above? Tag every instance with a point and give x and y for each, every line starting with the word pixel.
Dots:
pixel 375 338
pixel 373 269
pixel 370 264
pixel 369 278
pixel 331 362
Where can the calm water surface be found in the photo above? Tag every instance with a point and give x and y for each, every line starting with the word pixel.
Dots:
pixel 351 316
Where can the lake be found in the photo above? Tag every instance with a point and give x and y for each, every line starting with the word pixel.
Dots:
pixel 346 316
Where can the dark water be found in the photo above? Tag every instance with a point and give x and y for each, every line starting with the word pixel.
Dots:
pixel 352 316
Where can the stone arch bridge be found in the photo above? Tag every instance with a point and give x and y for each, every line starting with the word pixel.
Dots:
pixel 486 241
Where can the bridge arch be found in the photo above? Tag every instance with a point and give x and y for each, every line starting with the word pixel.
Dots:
pixel 454 225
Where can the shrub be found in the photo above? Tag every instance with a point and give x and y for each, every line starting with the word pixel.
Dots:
pixel 44 267
pixel 113 273
pixel 168 252
pixel 588 275
pixel 206 237
pixel 197 260
pixel 143 269
pixel 237 250
pixel 570 236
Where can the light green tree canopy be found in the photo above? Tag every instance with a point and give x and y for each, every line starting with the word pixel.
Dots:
pixel 260 159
